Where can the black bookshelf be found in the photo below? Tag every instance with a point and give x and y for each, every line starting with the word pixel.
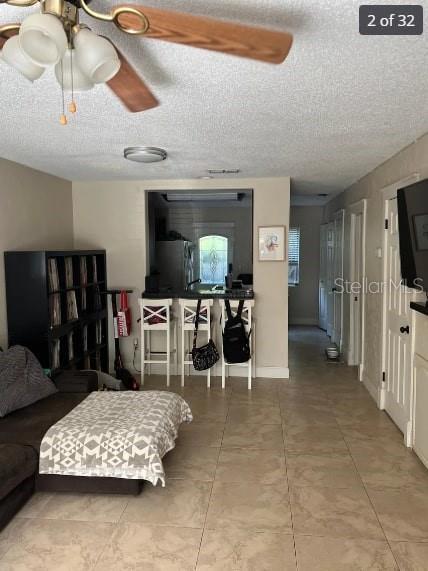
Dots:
pixel 56 307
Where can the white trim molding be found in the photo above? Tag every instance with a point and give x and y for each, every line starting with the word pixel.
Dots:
pixel 374 390
pixel 273 372
pixel 261 372
pixel 354 210
pixel 388 193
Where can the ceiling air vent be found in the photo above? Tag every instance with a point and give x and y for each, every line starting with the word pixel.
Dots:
pixel 224 171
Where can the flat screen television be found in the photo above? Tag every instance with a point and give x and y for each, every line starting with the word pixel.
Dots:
pixel 413 231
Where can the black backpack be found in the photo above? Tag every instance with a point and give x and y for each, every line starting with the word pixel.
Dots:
pixel 236 341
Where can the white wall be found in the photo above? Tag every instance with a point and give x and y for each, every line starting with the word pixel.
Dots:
pixel 36 212
pixel 112 215
pixel 303 298
pixel 412 159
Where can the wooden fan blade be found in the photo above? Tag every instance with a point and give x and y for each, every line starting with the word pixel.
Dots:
pixel 236 39
pixel 7 31
pixel 128 86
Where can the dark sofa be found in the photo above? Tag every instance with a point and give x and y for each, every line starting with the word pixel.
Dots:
pixel 21 434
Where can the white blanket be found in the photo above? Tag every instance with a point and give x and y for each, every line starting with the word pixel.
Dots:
pixel 115 435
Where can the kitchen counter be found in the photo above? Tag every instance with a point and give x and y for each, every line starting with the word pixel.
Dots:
pixel 195 294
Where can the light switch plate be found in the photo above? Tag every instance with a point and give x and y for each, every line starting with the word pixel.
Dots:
pixel 379 252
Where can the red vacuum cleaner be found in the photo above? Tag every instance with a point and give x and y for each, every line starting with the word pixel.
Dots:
pixel 122 328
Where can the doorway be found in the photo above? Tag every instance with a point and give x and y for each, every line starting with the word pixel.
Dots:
pixel 330 277
pixel 396 391
pixel 323 295
pixel 337 291
pixel 357 290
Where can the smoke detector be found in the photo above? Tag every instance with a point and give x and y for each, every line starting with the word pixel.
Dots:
pixel 145 154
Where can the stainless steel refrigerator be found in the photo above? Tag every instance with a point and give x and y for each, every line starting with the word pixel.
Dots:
pixel 175 263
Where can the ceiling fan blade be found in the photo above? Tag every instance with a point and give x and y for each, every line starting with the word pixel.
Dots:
pixel 7 31
pixel 128 86
pixel 236 39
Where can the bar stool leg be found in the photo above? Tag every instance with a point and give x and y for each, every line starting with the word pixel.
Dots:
pixel 208 340
pixel 253 348
pixel 209 370
pixel 223 372
pixel 142 355
pixel 175 349
pixel 168 356
pixel 250 374
pixel 189 339
pixel 149 351
pixel 183 357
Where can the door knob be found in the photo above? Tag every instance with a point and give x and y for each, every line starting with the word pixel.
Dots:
pixel 405 329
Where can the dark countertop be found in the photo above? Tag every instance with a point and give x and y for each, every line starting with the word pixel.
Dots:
pixel 420 307
pixel 229 294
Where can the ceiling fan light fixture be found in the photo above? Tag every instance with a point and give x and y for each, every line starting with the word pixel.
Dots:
pixel 14 56
pixel 96 56
pixel 145 154
pixel 71 77
pixel 43 39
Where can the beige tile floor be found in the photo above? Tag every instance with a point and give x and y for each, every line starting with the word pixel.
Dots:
pixel 301 474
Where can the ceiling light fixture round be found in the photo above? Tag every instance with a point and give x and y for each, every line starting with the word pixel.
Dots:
pixel 43 39
pixel 13 55
pixel 145 154
pixel 96 56
pixel 70 76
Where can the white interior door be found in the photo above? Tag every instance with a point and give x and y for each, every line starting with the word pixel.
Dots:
pixel 336 336
pixel 357 293
pixel 323 278
pixel 330 277
pixel 398 335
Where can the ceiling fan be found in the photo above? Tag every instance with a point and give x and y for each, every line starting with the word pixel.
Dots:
pixel 81 58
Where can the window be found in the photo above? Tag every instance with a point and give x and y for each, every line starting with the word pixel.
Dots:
pixel 213 259
pixel 293 256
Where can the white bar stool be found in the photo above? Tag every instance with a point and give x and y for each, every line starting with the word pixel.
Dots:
pixel 156 315
pixel 187 322
pixel 247 317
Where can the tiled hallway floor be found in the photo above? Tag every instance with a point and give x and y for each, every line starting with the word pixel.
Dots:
pixel 302 474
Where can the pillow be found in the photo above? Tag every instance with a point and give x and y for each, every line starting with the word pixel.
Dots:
pixel 22 381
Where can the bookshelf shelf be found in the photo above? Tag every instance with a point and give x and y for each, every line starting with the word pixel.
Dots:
pixel 56 307
pixel 73 288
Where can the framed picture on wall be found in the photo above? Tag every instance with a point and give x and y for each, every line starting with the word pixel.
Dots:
pixel 271 243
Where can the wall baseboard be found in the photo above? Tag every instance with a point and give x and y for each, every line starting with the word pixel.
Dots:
pixel 303 321
pixel 261 372
pixel 273 372
pixel 373 390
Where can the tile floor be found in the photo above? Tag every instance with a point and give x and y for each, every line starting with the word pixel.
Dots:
pixel 301 474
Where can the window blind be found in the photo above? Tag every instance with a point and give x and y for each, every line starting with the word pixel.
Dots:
pixel 293 255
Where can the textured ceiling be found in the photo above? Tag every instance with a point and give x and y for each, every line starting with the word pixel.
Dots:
pixel 340 105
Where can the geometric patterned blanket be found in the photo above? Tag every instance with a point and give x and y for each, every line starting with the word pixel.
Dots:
pixel 116 435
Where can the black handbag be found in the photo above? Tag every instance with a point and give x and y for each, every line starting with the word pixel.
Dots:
pixel 206 356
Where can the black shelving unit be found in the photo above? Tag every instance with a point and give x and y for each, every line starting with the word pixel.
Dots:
pixel 56 307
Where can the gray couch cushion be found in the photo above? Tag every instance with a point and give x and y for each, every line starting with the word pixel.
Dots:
pixel 22 381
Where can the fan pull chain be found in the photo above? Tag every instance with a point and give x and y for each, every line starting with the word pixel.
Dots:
pixel 72 107
pixel 63 118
